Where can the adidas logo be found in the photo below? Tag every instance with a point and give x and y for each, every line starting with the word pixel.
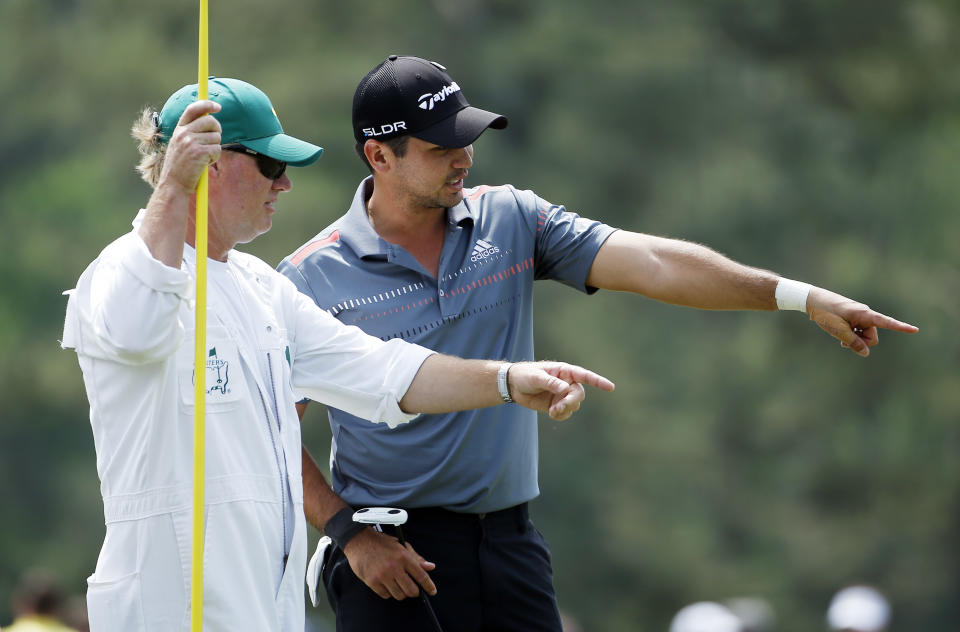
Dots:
pixel 483 249
pixel 427 101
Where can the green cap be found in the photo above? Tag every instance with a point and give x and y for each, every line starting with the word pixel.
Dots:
pixel 247 118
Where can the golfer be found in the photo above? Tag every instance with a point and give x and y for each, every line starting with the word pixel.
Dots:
pixel 131 319
pixel 420 257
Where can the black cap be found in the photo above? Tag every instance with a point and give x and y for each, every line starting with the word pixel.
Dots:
pixel 410 95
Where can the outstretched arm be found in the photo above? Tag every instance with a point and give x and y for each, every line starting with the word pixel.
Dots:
pixel 445 384
pixel 680 272
pixel 691 275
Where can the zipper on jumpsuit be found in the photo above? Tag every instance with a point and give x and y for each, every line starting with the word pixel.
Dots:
pixel 280 466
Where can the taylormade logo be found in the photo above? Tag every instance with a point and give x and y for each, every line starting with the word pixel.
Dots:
pixel 427 101
pixel 483 249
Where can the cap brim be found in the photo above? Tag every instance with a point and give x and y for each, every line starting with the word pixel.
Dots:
pixel 293 151
pixel 462 128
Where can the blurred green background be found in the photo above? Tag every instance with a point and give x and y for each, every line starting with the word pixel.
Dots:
pixel 742 453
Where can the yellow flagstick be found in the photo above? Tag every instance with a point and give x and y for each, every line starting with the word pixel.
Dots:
pixel 200 358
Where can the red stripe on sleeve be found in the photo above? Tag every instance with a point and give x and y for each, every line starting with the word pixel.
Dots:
pixel 313 246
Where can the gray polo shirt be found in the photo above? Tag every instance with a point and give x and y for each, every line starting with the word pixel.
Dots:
pixel 498 241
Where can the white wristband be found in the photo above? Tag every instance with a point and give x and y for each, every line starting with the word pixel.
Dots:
pixel 503 385
pixel 792 295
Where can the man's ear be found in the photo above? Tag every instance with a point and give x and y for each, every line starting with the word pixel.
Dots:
pixel 379 155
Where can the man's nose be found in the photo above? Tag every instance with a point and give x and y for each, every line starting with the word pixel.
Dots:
pixel 283 183
pixel 464 158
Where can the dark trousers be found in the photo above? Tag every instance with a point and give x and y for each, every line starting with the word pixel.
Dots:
pixel 493 574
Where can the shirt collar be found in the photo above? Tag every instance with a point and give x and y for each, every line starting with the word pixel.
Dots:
pixel 357 232
pixel 459 213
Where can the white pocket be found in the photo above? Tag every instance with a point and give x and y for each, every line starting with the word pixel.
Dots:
pixel 224 381
pixel 115 605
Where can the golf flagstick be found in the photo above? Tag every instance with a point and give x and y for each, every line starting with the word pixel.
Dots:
pixel 200 357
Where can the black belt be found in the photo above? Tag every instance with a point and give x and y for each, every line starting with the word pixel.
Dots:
pixel 518 515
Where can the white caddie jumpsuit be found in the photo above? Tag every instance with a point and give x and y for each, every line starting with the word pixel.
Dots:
pixel 131 321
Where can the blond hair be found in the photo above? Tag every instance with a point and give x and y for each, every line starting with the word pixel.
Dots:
pixel 151 144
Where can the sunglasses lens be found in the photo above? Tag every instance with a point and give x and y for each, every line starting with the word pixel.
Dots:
pixel 271 168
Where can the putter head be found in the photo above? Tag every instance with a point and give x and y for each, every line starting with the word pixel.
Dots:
pixel 380 515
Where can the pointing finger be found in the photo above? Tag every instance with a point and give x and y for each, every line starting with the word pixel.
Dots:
pixel 584 376
pixel 877 319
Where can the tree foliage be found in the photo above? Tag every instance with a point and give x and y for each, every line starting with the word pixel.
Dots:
pixel 742 454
